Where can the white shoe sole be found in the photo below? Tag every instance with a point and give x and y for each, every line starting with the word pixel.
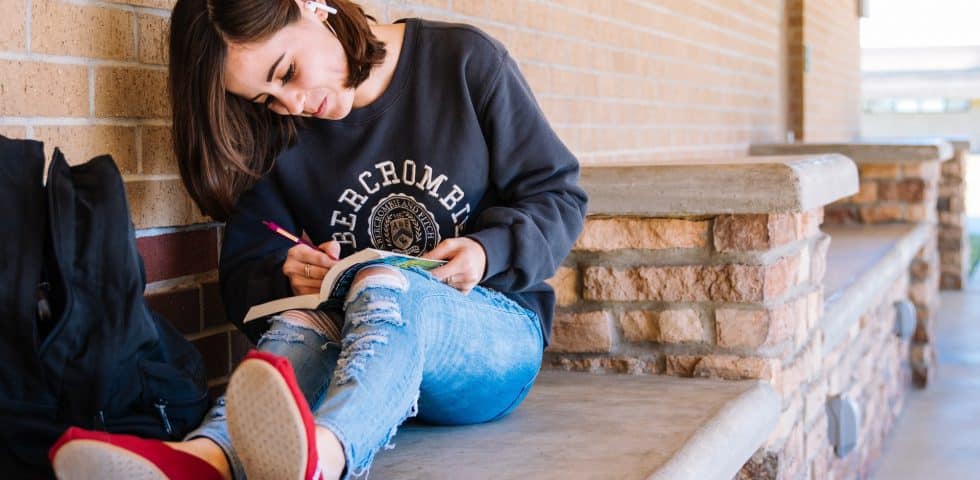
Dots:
pixel 91 459
pixel 265 425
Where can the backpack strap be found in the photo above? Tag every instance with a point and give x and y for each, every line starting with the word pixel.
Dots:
pixel 22 197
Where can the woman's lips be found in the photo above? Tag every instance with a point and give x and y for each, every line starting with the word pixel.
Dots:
pixel 323 106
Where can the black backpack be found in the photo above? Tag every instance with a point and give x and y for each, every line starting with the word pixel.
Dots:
pixel 78 345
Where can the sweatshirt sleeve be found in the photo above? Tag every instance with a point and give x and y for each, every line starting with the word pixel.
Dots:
pixel 540 210
pixel 250 266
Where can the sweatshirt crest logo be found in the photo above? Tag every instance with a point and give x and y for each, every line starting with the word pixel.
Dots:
pixel 401 224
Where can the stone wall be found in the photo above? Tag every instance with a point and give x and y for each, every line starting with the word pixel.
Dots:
pixel 735 297
pixel 908 193
pixel 900 183
pixel 729 296
pixel 954 243
pixel 891 192
pixel 869 368
pixel 924 293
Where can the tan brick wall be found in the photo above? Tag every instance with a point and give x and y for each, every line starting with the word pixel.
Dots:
pixel 89 77
pixel 622 82
pixel 824 69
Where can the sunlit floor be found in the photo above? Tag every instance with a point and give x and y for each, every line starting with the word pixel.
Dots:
pixel 938 434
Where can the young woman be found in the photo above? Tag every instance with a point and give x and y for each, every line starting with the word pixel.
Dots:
pixel 418 137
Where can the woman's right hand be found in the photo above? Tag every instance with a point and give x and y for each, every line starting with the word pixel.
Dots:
pixel 306 267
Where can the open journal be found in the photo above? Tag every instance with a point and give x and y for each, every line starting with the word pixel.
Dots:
pixel 338 280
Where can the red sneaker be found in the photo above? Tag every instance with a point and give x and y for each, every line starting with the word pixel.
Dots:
pixel 269 420
pixel 85 454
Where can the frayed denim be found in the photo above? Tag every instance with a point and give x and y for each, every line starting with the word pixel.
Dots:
pixel 411 346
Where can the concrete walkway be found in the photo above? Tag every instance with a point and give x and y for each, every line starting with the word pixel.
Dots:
pixel 938 434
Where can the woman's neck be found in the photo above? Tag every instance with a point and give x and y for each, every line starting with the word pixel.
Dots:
pixel 374 86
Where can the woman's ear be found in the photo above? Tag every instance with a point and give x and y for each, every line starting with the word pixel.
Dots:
pixel 318 9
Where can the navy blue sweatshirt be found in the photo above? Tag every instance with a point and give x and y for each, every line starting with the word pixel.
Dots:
pixel 455 146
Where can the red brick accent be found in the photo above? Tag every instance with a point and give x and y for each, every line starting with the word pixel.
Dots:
pixel 240 345
pixel 177 254
pixel 214 309
pixel 182 308
pixel 215 349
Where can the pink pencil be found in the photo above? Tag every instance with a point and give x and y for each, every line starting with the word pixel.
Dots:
pixel 285 233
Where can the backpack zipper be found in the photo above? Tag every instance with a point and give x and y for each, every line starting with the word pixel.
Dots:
pixel 161 406
pixel 99 421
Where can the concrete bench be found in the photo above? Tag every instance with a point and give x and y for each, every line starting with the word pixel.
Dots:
pixel 862 263
pixel 577 425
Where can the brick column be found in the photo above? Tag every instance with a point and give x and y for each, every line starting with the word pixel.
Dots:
pixel 954 246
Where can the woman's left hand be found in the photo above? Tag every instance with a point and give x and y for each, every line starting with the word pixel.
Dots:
pixel 466 262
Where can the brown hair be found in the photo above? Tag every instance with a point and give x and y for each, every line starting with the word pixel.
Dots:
pixel 224 143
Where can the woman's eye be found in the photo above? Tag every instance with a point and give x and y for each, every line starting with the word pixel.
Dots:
pixel 285 78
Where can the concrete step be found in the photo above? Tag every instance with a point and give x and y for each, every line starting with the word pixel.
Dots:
pixel 581 426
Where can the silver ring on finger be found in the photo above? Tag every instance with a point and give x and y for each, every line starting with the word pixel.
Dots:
pixel 306 270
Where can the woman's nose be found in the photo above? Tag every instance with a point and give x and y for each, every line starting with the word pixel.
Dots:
pixel 297 104
pixel 293 100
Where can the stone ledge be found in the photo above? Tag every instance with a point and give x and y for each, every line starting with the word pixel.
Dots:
pixel 866 152
pixel 726 186
pixel 958 142
pixel 578 425
pixel 863 261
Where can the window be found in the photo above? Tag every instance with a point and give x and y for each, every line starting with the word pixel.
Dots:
pixel 918 105
pixel 932 105
pixel 958 105
pixel 906 105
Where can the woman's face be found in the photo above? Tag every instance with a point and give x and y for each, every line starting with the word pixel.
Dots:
pixel 300 70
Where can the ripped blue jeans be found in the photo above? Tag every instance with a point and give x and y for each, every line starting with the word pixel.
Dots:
pixel 410 346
